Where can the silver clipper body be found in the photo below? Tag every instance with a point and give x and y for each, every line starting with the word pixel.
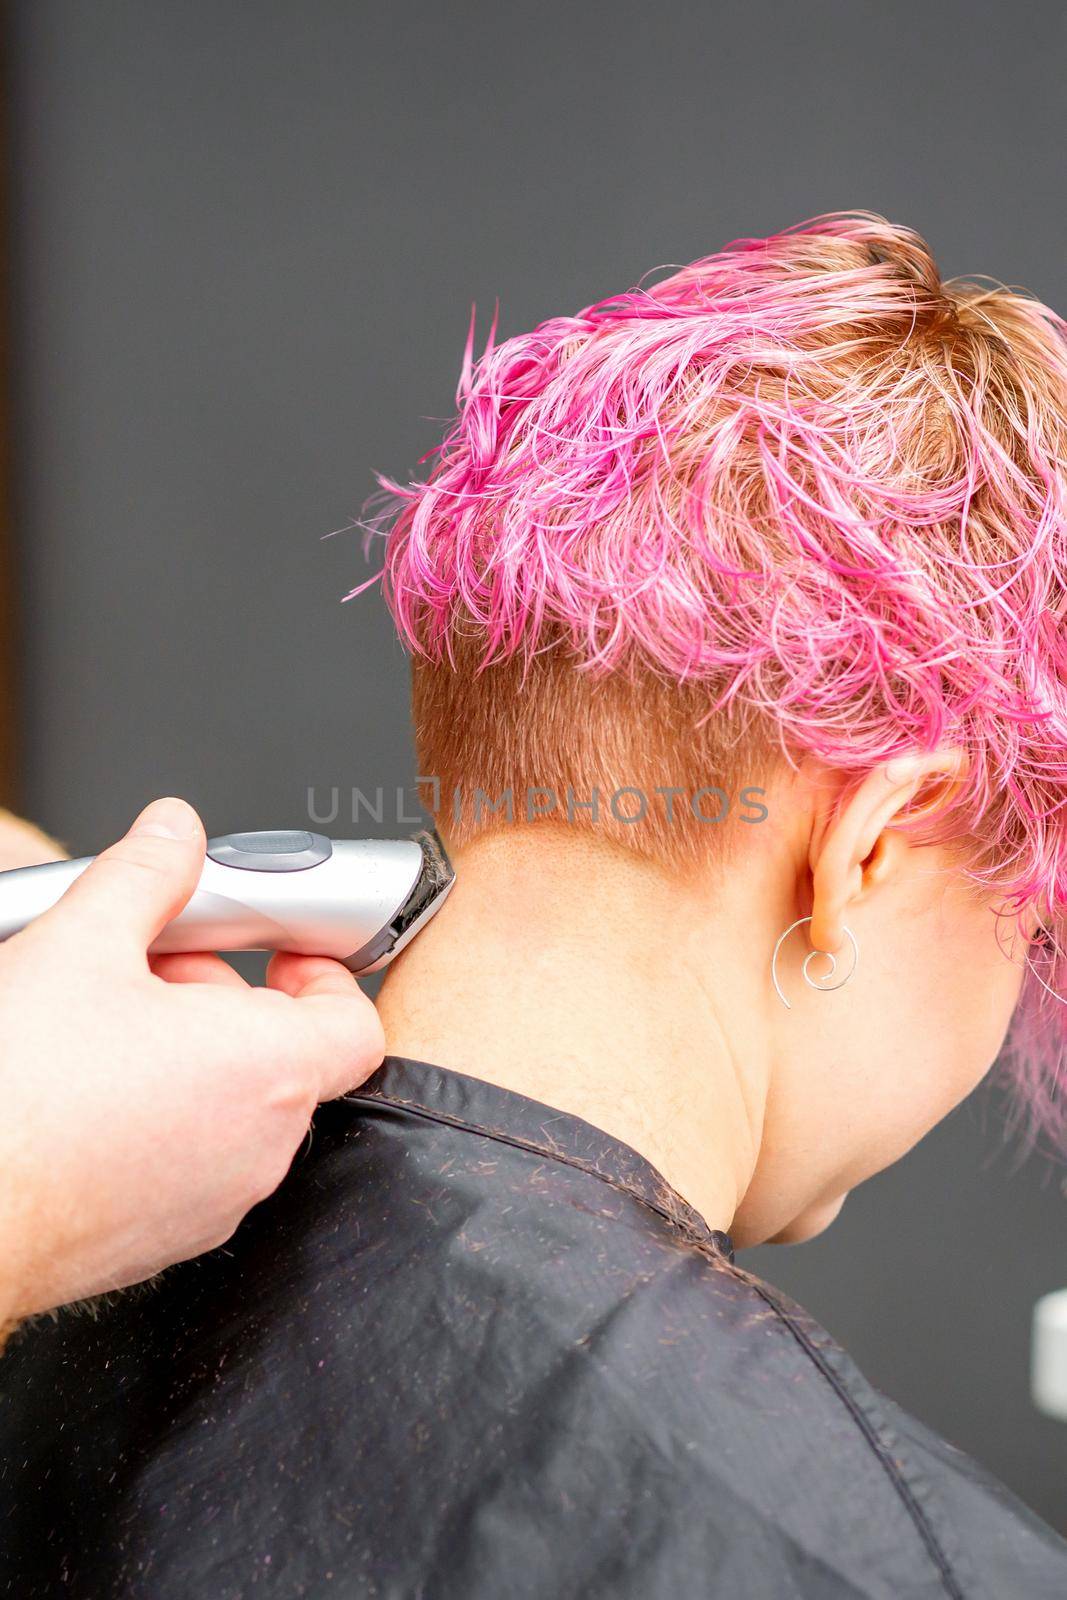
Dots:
pixel 357 900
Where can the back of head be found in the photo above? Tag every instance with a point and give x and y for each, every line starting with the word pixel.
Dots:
pixel 800 498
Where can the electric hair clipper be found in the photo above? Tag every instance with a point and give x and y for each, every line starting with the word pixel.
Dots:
pixel 358 900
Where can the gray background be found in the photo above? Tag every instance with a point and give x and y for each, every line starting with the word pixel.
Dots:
pixel 247 237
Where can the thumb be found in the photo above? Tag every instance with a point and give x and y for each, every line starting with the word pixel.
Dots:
pixel 131 891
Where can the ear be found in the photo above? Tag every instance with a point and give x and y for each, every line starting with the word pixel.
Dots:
pixel 858 848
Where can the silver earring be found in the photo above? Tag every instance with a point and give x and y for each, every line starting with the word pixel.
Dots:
pixel 823 984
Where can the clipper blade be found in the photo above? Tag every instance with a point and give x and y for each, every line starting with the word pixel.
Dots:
pixel 435 879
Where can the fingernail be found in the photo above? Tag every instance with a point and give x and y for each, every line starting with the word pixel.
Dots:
pixel 168 819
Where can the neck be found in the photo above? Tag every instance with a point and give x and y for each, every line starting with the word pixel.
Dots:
pixel 571 971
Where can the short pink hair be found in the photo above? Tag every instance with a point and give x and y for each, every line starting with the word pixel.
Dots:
pixel 810 476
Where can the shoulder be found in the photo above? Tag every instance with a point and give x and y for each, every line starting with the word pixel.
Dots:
pixel 980 1538
pixel 1015 1551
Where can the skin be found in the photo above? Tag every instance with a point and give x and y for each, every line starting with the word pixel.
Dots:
pixel 23 845
pixel 639 997
pixel 148 1105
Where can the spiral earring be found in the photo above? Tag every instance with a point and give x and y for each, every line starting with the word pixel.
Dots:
pixel 823 985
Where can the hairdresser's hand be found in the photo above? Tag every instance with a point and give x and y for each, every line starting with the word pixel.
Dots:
pixel 145 1108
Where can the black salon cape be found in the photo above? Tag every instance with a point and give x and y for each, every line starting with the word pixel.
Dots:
pixel 475 1349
